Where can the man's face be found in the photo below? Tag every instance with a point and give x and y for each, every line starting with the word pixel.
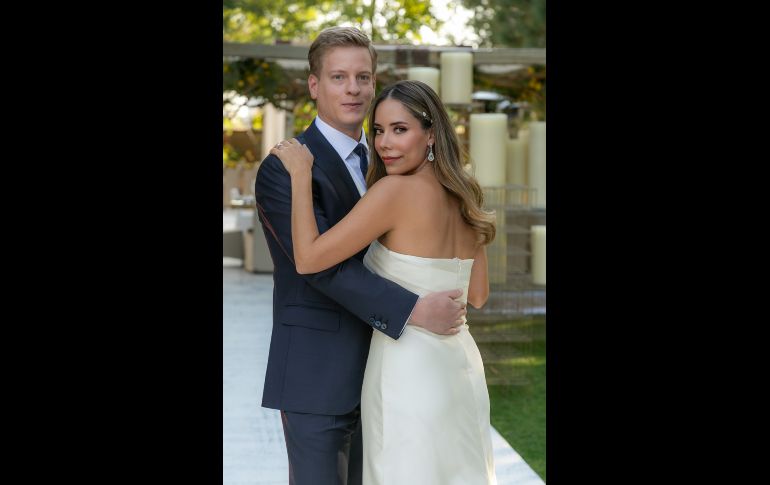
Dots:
pixel 344 89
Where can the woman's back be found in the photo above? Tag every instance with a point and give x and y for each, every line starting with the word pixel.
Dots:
pixel 429 223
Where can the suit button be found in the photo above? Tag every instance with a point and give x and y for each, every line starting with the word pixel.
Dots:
pixel 384 326
pixel 371 320
pixel 378 323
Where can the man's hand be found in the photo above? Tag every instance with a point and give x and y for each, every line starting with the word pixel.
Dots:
pixel 439 312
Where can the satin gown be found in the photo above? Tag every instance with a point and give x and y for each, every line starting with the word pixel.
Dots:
pixel 424 403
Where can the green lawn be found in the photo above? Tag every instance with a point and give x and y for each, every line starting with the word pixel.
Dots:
pixel 518 411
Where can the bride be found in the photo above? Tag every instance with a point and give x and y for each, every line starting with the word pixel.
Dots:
pixel 424 404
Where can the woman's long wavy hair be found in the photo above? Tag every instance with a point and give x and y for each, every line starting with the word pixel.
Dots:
pixel 424 104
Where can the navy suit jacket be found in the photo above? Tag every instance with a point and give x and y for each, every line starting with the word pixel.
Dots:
pixel 322 323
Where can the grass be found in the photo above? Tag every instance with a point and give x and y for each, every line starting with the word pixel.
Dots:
pixel 518 411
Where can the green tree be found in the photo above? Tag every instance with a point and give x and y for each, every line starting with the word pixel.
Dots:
pixel 264 21
pixel 508 23
pixel 512 23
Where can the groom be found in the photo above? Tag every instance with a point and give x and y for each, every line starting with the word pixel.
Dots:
pixel 322 323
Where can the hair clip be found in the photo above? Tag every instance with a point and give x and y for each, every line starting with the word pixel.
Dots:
pixel 426 117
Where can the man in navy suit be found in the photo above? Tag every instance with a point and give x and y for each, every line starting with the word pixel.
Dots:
pixel 322 323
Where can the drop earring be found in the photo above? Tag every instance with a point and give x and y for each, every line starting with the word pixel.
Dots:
pixel 430 154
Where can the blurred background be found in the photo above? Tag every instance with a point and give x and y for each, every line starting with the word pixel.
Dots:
pixel 486 60
pixel 252 82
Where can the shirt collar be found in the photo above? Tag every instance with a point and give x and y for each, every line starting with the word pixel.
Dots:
pixel 342 143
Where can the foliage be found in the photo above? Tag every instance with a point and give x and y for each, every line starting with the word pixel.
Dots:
pixel 519 24
pixel 257 78
pixel 527 86
pixel 262 21
pixel 508 23
pixel 230 157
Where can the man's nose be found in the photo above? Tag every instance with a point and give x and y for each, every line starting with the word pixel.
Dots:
pixel 353 87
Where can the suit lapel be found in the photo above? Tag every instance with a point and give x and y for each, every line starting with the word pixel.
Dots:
pixel 328 160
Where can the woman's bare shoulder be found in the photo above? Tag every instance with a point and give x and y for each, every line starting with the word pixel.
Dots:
pixel 389 185
pixel 408 189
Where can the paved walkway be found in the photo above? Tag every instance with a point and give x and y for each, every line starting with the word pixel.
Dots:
pixel 253 449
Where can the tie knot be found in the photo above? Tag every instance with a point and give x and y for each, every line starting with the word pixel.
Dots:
pixel 361 151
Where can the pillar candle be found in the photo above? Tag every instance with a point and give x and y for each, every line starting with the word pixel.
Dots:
pixel 428 75
pixel 523 135
pixel 273 127
pixel 516 173
pixel 537 161
pixel 538 255
pixel 497 252
pixel 456 77
pixel 488 138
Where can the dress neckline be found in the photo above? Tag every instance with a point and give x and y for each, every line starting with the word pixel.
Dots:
pixel 418 257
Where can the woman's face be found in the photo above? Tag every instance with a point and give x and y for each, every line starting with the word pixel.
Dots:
pixel 399 138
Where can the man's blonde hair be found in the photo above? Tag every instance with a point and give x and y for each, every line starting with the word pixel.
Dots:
pixel 338 37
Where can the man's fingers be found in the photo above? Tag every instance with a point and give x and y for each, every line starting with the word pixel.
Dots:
pixel 460 309
pixel 457 293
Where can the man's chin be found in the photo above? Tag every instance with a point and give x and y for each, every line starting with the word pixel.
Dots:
pixel 353 124
pixel 354 120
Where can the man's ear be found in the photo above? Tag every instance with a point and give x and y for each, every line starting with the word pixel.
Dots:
pixel 312 85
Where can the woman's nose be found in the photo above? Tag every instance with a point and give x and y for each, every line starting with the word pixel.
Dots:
pixel 383 140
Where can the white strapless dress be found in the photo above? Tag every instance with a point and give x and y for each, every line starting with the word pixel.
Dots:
pixel 424 403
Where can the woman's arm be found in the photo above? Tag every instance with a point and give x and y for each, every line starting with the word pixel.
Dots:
pixel 371 217
pixel 478 288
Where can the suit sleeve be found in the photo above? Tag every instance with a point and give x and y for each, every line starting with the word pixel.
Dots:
pixel 379 302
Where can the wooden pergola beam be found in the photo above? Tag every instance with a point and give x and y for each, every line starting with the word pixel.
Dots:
pixel 399 55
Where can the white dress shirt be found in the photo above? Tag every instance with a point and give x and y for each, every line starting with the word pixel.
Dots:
pixel 344 145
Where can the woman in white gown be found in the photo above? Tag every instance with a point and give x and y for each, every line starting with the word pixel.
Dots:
pixel 424 404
